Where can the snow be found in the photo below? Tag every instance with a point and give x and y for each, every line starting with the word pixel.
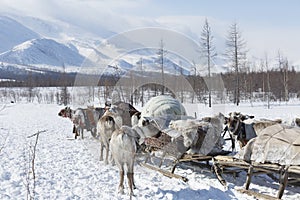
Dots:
pixel 13 33
pixel 54 42
pixel 70 169
pixel 43 51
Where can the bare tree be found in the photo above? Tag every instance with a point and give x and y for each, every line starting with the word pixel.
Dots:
pixel 208 51
pixel 236 54
pixel 142 87
pixel 268 80
pixel 64 94
pixel 161 56
pixel 284 68
pixel 194 69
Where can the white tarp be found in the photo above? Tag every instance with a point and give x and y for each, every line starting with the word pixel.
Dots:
pixel 165 106
pixel 278 144
pixel 211 141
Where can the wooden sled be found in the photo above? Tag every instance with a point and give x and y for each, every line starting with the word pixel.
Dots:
pixel 287 174
pixel 170 150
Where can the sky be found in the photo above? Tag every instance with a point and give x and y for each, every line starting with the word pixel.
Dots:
pixel 268 26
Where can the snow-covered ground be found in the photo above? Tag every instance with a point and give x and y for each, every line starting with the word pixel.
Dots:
pixel 70 169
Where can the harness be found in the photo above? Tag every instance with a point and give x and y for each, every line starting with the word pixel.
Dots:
pixel 86 123
pixel 90 116
pixel 241 132
pixel 244 132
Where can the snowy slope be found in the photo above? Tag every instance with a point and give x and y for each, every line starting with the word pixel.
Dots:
pixel 42 52
pixel 13 33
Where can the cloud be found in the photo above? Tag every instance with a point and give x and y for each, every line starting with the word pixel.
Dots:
pixel 80 8
pixel 115 16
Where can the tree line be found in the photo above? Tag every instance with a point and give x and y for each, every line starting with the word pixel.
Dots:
pixel 265 86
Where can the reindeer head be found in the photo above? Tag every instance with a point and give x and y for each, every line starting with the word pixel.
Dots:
pixel 114 113
pixel 234 121
pixel 66 112
pixel 233 124
pixel 109 122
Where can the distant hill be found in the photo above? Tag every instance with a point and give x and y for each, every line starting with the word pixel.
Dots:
pixel 39 44
pixel 13 33
pixel 42 52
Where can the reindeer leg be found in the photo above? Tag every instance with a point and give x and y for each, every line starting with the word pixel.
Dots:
pixel 134 187
pixel 76 132
pixel 121 186
pixel 101 152
pixel 107 153
pixel 130 183
pixel 232 142
pixel 112 161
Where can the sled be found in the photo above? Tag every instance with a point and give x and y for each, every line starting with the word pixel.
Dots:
pixel 173 150
pixel 287 174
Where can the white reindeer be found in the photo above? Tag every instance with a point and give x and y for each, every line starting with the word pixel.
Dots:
pixel 118 114
pixel 123 146
pixel 106 125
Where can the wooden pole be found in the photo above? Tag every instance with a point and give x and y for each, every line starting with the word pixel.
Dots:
pixel 249 176
pixel 284 174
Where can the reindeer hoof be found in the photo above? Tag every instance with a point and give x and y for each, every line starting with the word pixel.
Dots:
pixel 121 190
pixel 131 194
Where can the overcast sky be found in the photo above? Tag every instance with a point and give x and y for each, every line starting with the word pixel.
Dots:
pixel 266 25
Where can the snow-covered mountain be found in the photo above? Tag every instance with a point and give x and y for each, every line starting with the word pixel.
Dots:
pixel 13 33
pixel 52 43
pixel 43 52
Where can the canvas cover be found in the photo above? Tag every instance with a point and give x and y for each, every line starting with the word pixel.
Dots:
pixel 211 140
pixel 278 144
pixel 165 106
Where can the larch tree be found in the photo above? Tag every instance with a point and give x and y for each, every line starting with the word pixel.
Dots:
pixel 208 51
pixel 268 80
pixel 161 56
pixel 236 54
pixel 284 68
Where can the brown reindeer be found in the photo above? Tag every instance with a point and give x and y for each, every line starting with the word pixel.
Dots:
pixel 297 121
pixel 83 119
pixel 244 132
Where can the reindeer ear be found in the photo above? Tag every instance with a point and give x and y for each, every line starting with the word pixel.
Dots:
pixel 145 121
pixel 251 116
pixel 221 114
pixel 226 120
pixel 244 117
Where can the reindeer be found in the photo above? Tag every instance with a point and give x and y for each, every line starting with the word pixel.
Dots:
pixel 125 110
pixel 83 118
pixel 117 115
pixel 123 148
pixel 106 125
pixel 297 122
pixel 243 131
pixel 124 144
